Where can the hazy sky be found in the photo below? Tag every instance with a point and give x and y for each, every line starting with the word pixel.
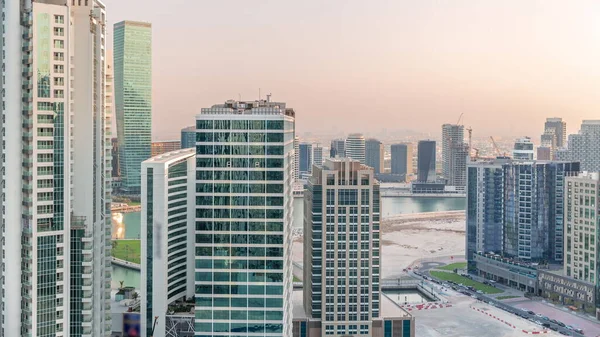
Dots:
pixel 368 65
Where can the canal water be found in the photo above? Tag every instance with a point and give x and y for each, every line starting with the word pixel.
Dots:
pixel 127 225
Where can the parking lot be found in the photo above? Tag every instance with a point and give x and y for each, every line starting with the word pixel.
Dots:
pixel 462 320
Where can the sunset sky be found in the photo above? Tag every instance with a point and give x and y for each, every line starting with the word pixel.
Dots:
pixel 368 65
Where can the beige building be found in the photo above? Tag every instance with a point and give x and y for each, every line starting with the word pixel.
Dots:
pixel 161 147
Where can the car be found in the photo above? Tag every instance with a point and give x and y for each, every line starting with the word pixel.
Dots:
pixel 553 321
pixel 561 324
pixel 479 292
pixel 553 328
pixel 546 325
pixel 570 328
pixel 564 333
pixel 530 312
pixel 539 315
pixel 578 330
pixel 523 309
pixel 545 318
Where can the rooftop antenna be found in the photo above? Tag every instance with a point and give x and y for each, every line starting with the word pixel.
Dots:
pixel 269 97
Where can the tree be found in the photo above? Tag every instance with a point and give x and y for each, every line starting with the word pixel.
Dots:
pixel 115 243
pixel 134 295
pixel 121 283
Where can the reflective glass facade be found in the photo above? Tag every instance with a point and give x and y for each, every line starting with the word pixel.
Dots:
pixel 243 221
pixel 133 98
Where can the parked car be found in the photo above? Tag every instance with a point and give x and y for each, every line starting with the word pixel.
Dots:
pixel 564 333
pixel 530 312
pixel 561 324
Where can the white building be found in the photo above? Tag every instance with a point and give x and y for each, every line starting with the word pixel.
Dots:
pixel 523 149
pixel 167 231
pixel 355 147
pixel 454 158
pixel 583 147
pixel 582 227
pixel 244 205
pixel 296 158
pixel 56 169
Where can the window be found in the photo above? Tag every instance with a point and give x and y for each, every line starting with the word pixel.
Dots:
pixel 60 81
pixel 59 69
pixel 59 56
pixel 59 93
pixel 59 19
pixel 59 31
pixel 59 44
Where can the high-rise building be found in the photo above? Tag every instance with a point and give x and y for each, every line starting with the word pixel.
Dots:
pixel 454 154
pixel 355 147
pixel 188 137
pixel 165 146
pixel 485 207
pixel 527 209
pixel 548 143
pixel 342 265
pixel 402 159
pixel 116 172
pixel 583 147
pixel 559 128
pixel 133 98
pixel 167 236
pixel 318 155
pixel 426 161
pixel 244 201
pixel 582 225
pixel 306 159
pixel 296 158
pixel 338 148
pixel 374 155
pixel 55 170
pixel 523 149
pixel 544 153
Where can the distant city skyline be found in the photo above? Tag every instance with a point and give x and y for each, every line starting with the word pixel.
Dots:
pixel 506 65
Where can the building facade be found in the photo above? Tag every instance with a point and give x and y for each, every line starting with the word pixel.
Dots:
pixel 133 98
pixel 306 159
pixel 244 182
pixel 527 209
pixel 582 227
pixel 402 159
pixel 160 147
pixel 355 147
pixel 167 235
pixel 454 154
pixel 55 170
pixel 559 128
pixel 342 264
pixel 485 208
pixel 426 162
pixel 374 155
pixel 318 155
pixel 583 147
pixel 337 148
pixel 523 149
pixel 188 137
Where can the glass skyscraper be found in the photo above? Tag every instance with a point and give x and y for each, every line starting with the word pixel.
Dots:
pixel 55 170
pixel 133 98
pixel 244 181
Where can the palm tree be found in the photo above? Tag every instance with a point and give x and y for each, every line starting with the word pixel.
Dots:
pixel 134 295
pixel 121 283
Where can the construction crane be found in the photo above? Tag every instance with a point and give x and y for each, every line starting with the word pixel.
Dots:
pixel 470 130
pixel 459 118
pixel 497 149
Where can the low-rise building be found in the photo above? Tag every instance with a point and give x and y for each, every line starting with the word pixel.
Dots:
pixel 557 287
pixel 522 276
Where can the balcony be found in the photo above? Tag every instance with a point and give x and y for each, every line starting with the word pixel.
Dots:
pixel 78 222
pixel 27 46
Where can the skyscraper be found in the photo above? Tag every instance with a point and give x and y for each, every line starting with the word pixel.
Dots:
pixel 342 264
pixel 244 183
pixel 523 149
pixel 337 148
pixel 296 158
pixel 402 159
pixel 582 225
pixel 355 147
pixel 547 144
pixel 167 235
pixel 318 155
pixel 559 128
pixel 188 137
pixel 133 98
pixel 533 212
pixel 306 158
pixel 583 147
pixel 374 155
pixel 426 161
pixel 56 170
pixel 454 154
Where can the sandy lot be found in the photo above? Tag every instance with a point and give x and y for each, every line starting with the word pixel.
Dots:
pixel 410 237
